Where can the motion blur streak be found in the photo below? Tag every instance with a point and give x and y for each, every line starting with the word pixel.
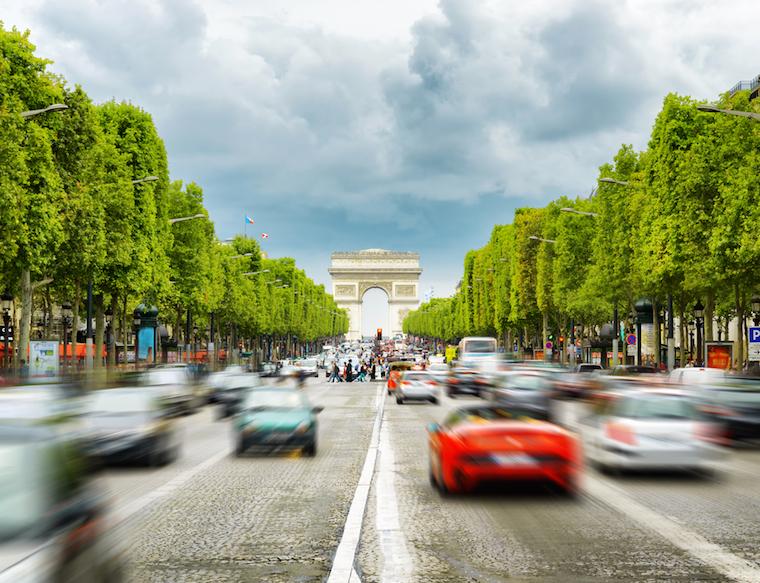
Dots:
pixel 711 554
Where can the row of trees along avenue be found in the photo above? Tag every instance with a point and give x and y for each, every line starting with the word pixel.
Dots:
pixel 677 221
pixel 87 202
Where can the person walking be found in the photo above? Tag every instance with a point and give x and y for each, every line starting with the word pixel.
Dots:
pixel 362 374
pixel 349 372
pixel 335 375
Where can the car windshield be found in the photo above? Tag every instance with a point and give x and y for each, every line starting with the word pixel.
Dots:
pixel 524 382
pixel 479 346
pixel 656 407
pixel 275 399
pixel 738 396
pixel 167 376
pixel 120 402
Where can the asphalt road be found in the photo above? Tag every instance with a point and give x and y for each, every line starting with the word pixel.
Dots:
pixel 211 517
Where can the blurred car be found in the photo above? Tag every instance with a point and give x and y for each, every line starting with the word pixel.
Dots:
pixel 230 397
pixel 217 381
pixel 735 405
pixel 175 384
pixel 307 367
pixel 53 524
pixel 418 386
pixel 633 369
pixel 653 429
pixel 525 390
pixel 130 425
pixel 51 404
pixel 464 381
pixel 440 372
pixel 275 417
pixel 693 376
pixel 588 367
pixel 490 442
pixel 395 370
pixel 268 369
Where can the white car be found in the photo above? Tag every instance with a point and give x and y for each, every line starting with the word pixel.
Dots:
pixel 175 384
pixel 696 376
pixel 653 429
pixel 418 386
pixel 307 367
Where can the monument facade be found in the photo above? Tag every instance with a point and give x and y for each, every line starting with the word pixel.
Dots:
pixel 397 273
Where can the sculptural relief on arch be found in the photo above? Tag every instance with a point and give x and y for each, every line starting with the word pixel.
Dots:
pixel 395 272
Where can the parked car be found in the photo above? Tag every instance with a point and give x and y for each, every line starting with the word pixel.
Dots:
pixel 275 417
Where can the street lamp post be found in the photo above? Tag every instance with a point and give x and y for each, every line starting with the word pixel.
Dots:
pixel 48 109
pixel 577 212
pixel 691 340
pixel 137 323
pixel 65 321
pixel 699 311
pixel 191 217
pixel 7 300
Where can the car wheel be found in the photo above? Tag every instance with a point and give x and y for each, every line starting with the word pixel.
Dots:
pixel 434 401
pixel 239 447
pixel 389 392
pixel 399 401
pixel 431 477
pixel 311 449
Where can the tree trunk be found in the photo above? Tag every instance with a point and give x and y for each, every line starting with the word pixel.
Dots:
pixel 683 340
pixel 738 349
pixel 709 315
pixel 114 327
pixel 100 321
pixel 657 333
pixel 26 317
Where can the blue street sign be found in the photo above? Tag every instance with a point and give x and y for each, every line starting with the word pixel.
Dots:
pixel 754 334
pixel 631 339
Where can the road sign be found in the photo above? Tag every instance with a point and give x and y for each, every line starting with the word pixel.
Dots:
pixel 753 347
pixel 630 339
pixel 631 350
pixel 549 345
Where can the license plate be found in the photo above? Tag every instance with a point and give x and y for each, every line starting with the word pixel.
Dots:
pixel 276 437
pixel 514 460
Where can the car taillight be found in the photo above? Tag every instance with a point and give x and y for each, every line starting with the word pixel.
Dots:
pixel 717 410
pixel 405 383
pixel 711 433
pixel 620 432
pixel 435 384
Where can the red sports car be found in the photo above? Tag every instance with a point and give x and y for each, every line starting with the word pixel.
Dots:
pixel 485 443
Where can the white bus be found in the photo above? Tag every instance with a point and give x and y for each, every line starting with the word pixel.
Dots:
pixel 477 352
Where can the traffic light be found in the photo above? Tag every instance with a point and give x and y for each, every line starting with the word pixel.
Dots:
pixel 379 335
pixel 561 338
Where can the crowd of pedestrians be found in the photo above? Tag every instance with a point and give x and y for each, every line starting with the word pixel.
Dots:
pixel 361 371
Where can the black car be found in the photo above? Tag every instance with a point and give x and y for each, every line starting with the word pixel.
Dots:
pixel 130 425
pixel 529 391
pixel 51 514
pixel 735 405
pixel 465 381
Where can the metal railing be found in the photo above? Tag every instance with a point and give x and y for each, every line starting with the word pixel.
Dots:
pixel 745 86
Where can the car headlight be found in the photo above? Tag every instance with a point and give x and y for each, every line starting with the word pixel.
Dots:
pixel 303 427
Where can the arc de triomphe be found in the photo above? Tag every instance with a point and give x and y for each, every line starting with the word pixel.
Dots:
pixel 395 272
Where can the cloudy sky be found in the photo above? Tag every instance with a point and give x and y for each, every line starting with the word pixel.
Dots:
pixel 402 124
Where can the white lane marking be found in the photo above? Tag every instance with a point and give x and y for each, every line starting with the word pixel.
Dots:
pixel 723 561
pixel 397 562
pixel 342 570
pixel 125 512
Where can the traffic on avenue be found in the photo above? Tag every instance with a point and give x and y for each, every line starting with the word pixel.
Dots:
pixel 383 461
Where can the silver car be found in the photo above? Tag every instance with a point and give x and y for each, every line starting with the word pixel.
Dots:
pixel 418 386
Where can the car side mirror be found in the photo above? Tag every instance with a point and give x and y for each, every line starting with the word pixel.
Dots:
pixel 317 409
pixel 433 427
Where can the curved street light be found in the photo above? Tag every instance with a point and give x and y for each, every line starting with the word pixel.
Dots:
pixel 48 109
pixel 577 212
pixel 146 179
pixel 534 238
pixel 180 219
pixel 707 108
pixel 608 180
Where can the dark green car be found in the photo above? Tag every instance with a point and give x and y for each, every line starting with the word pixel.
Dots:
pixel 272 417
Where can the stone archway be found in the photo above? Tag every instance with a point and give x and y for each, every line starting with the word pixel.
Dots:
pixel 395 272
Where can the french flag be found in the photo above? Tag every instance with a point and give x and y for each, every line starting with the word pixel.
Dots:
pixel 248 220
pixel 265 235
